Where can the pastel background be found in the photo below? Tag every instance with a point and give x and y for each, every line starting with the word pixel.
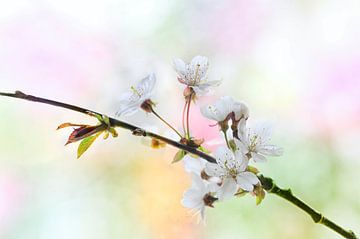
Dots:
pixel 295 63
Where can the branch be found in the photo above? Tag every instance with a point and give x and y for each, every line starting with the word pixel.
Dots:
pixel 317 217
pixel 267 183
pixel 113 123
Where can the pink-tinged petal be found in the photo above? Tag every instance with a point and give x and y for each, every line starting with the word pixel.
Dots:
pixel 258 158
pixel 244 183
pixel 228 189
pixel 270 150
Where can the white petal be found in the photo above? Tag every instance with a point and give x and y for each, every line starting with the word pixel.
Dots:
pixel 241 161
pixel 198 184
pixel 180 67
pixel 224 156
pixel 146 85
pixel 200 65
pixel 258 158
pixel 214 83
pixel 270 150
pixel 213 113
pixel 214 170
pixel 241 146
pixel 191 164
pixel 251 177
pixel 127 110
pixel 240 110
pixel 263 131
pixel 244 183
pixel 213 186
pixel 242 130
pixel 205 87
pixel 190 202
pixel 228 189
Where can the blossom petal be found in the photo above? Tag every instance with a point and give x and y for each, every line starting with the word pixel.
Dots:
pixel 200 65
pixel 228 189
pixel 225 157
pixel 270 150
pixel 214 170
pixel 180 67
pixel 241 161
pixel 244 182
pixel 146 85
pixel 251 177
pixel 258 158
pixel 240 110
pixel 241 146
pixel 191 164
pixel 191 199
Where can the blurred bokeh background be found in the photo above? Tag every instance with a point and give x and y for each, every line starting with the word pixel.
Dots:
pixel 295 63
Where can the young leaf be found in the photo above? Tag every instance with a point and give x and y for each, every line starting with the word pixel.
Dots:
pixel 157 144
pixel 85 144
pixel 179 156
pixel 203 149
pixel 252 169
pixel 260 196
pixel 63 125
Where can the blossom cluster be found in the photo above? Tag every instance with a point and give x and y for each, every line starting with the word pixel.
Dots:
pixel 231 175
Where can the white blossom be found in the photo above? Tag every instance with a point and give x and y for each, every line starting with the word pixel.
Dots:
pixel 231 168
pixel 194 74
pixel 132 100
pixel 198 196
pixel 254 142
pixel 223 108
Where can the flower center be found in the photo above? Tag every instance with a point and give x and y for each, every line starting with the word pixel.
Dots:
pixel 209 200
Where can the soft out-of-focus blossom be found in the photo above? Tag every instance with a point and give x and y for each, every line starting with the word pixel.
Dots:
pixel 255 143
pixel 224 109
pixel 194 74
pixel 132 100
pixel 199 196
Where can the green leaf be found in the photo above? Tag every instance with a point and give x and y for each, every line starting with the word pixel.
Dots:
pixel 179 156
pixel 204 150
pixel 85 144
pixel 260 196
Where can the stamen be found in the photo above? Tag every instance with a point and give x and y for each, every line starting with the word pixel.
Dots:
pixel 135 91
